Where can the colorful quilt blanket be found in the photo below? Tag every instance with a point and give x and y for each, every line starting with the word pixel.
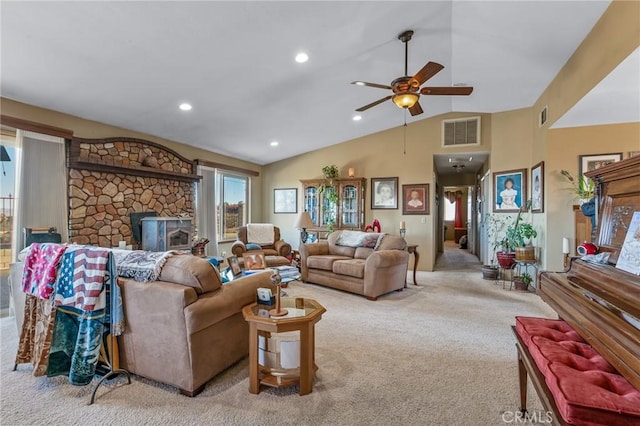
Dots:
pixel 76 343
pixel 140 265
pixel 359 239
pixel 40 267
pixel 81 280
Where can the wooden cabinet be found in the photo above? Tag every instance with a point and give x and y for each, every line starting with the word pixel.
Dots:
pixel 349 211
pixel 582 228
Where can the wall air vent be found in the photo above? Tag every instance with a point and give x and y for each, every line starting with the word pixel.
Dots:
pixel 461 131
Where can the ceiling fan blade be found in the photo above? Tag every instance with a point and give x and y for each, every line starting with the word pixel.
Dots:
pixel 456 90
pixel 416 109
pixel 364 83
pixel 372 104
pixel 428 71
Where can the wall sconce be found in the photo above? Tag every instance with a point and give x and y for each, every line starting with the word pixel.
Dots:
pixel 352 172
pixel 403 228
pixel 302 223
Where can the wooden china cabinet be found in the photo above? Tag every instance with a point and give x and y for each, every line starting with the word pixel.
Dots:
pixel 349 211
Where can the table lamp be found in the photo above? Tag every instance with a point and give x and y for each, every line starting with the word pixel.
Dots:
pixel 302 223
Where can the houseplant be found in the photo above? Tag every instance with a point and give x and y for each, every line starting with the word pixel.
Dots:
pixel 584 189
pixel 494 225
pixel 330 193
pixel 522 282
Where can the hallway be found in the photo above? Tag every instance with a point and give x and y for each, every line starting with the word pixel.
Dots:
pixel 456 259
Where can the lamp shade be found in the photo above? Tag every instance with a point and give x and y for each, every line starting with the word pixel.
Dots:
pixel 405 99
pixel 304 221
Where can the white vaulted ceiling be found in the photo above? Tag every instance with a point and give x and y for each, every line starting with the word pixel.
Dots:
pixel 130 64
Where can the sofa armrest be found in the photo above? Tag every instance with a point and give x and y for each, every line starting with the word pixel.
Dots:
pixel 238 248
pixel 385 271
pixel 310 249
pixel 216 306
pixel 386 258
pixel 283 248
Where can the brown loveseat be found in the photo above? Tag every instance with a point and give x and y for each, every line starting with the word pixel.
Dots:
pixel 186 327
pixel 365 263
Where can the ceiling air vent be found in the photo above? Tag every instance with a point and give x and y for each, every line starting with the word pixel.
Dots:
pixel 461 131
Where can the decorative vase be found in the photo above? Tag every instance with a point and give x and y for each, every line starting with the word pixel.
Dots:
pixel 506 260
pixel 489 272
pixel 527 253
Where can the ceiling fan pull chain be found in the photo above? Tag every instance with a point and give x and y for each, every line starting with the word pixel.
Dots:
pixel 405 133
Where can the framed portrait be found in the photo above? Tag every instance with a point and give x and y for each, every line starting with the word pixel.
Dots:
pixel 415 198
pixel 537 188
pixel 509 190
pixel 633 153
pixel 234 265
pixel 384 193
pixel 254 260
pixel 594 162
pixel 285 200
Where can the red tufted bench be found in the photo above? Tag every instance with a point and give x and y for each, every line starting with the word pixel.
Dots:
pixel 582 387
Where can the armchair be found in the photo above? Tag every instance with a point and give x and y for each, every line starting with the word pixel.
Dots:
pixel 278 248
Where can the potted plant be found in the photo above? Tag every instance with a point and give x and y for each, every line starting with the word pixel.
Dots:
pixel 522 282
pixel 494 225
pixel 330 194
pixel 584 190
pixel 518 237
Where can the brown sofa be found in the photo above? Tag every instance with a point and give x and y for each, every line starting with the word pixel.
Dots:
pixel 367 271
pixel 186 327
pixel 278 248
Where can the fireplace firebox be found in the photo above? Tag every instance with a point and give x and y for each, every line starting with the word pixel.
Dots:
pixel 166 233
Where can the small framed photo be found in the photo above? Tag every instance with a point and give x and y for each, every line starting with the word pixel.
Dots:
pixel 633 153
pixel 384 193
pixel 537 188
pixel 509 190
pixel 254 260
pixel 234 265
pixel 285 200
pixel 415 198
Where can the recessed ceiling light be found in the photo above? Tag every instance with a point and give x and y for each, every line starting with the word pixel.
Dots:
pixel 357 117
pixel 359 83
pixel 274 143
pixel 302 57
pixel 185 107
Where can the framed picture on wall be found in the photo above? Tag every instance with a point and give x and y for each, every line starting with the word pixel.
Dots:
pixel 537 188
pixel 594 162
pixel 415 198
pixel 384 193
pixel 285 200
pixel 509 190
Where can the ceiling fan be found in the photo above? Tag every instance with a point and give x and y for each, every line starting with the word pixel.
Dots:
pixel 406 89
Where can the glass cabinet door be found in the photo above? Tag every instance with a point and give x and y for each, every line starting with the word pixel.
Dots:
pixel 311 203
pixel 328 208
pixel 349 206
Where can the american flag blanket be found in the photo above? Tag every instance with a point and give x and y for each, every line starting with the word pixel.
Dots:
pixel 40 265
pixel 81 279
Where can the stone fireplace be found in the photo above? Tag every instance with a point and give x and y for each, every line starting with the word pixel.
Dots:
pixel 111 178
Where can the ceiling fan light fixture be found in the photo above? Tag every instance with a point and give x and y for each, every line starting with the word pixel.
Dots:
pixel 405 99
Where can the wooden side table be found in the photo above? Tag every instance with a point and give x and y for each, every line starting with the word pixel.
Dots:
pixel 413 248
pixel 302 317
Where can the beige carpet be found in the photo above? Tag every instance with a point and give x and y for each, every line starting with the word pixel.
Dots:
pixel 440 353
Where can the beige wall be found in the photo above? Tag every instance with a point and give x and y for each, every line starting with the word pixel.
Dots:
pixel 564 148
pixel 377 155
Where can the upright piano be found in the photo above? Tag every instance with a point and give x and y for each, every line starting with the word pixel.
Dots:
pixel 599 301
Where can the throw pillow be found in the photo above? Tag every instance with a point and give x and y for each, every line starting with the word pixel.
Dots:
pixel 253 246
